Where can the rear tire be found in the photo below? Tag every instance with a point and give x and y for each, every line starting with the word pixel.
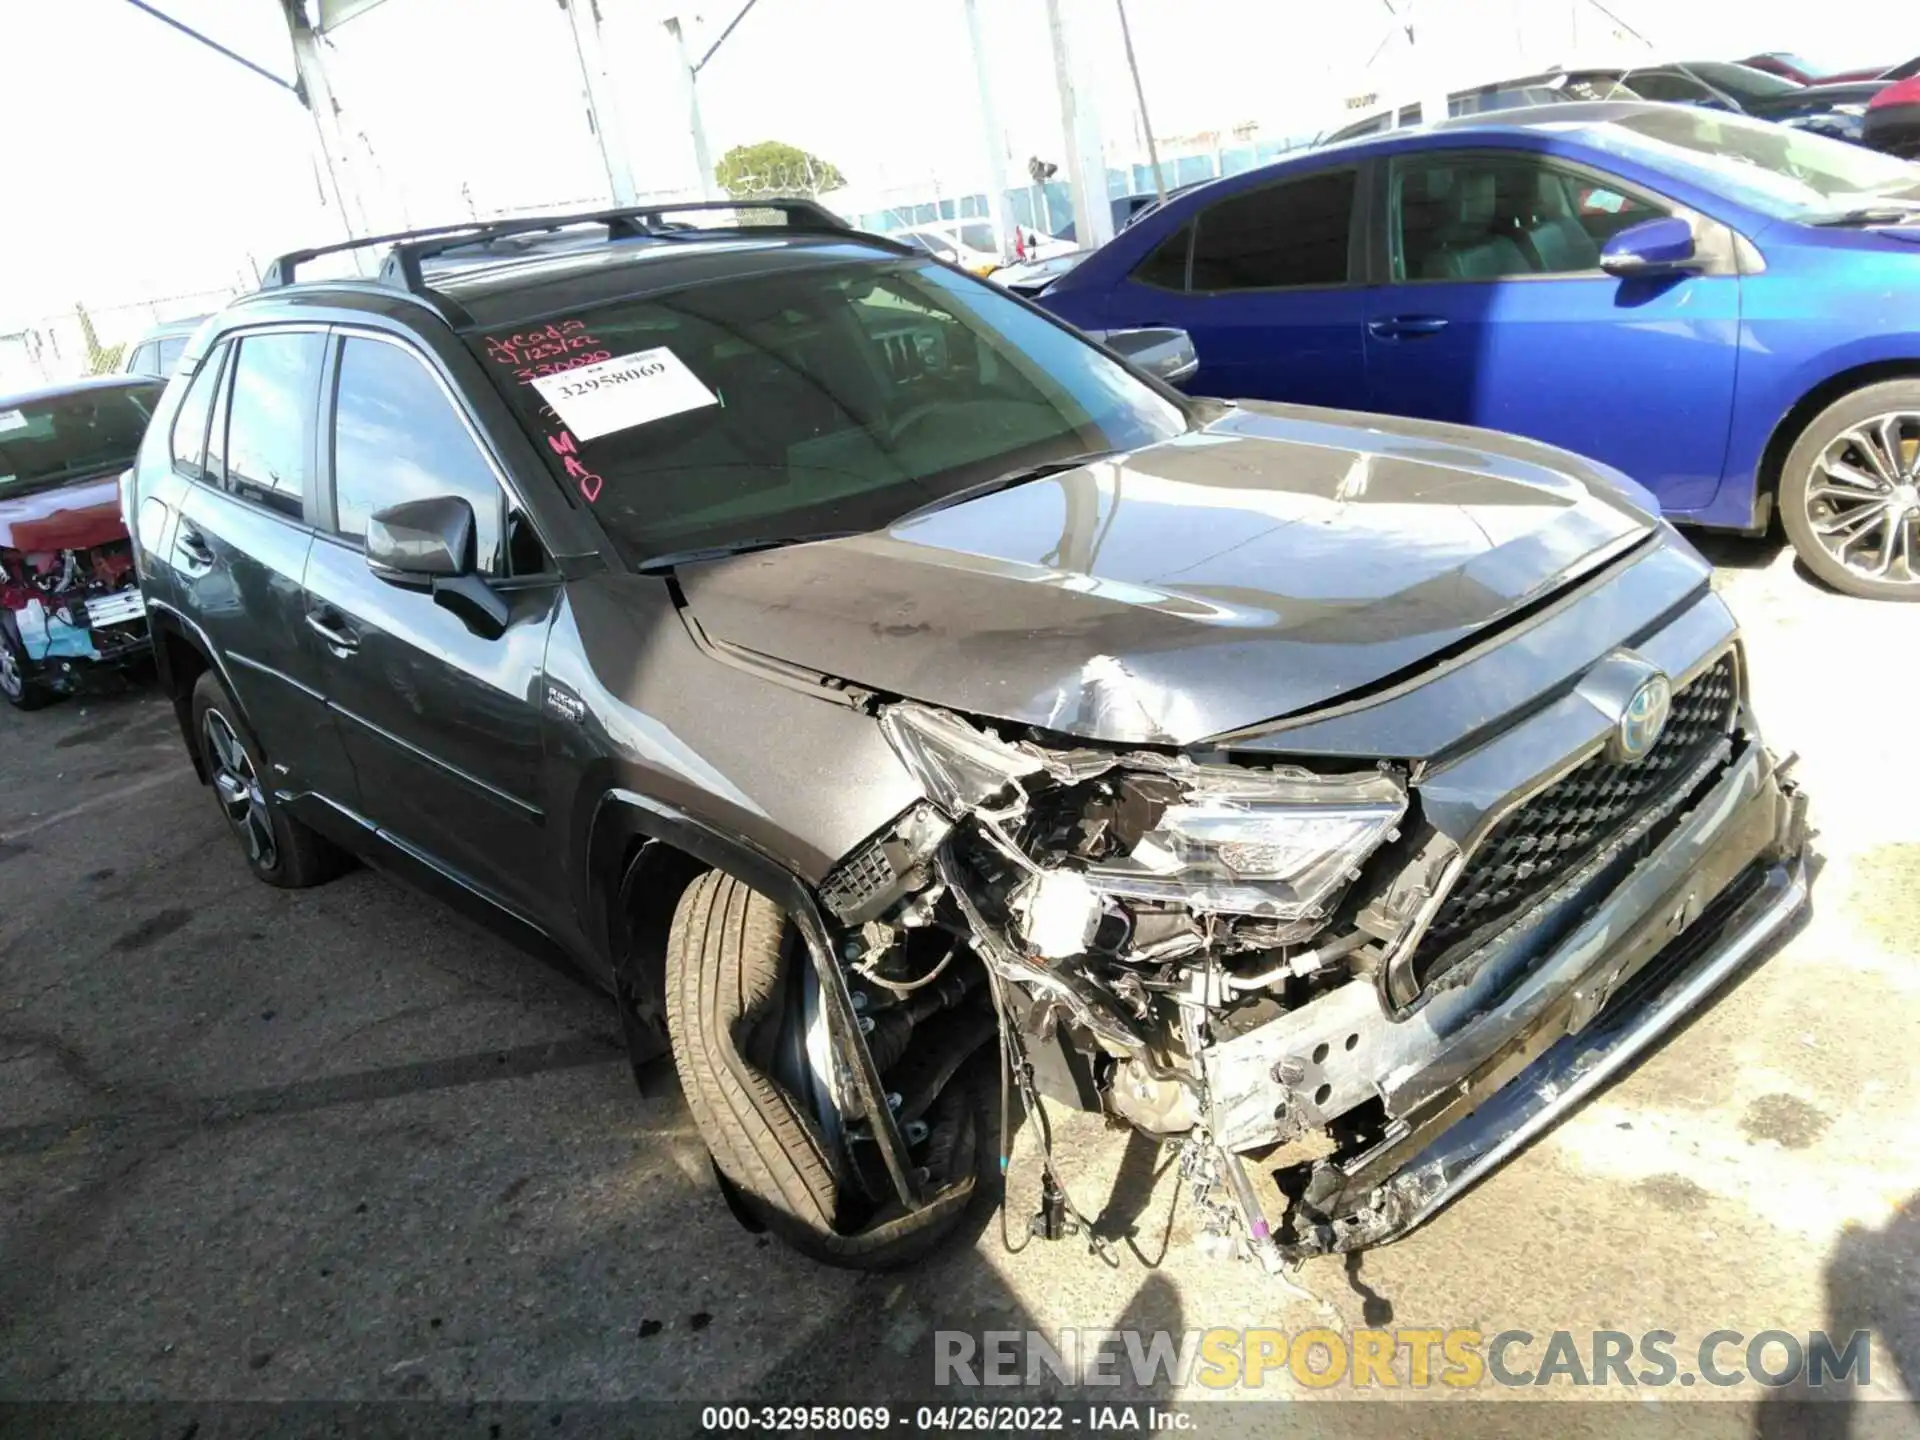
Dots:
pixel 278 848
pixel 732 960
pixel 1831 517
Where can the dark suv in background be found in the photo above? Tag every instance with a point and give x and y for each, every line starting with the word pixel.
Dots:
pixel 889 691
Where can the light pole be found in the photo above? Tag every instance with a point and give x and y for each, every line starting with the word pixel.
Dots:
pixel 603 107
pixel 1086 163
pixel 1140 97
pixel 690 91
pixel 990 133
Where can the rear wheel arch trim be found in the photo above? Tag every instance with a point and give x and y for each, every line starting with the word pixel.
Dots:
pixel 164 624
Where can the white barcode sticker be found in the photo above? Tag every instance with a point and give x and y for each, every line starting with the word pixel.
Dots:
pixel 625 391
pixel 12 420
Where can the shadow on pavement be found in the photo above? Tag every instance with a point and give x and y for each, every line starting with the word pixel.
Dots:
pixel 1873 1284
pixel 1732 551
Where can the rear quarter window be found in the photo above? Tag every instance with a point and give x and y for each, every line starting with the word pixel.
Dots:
pixel 1165 267
pixel 1289 235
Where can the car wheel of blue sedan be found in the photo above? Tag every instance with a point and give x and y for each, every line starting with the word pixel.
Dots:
pixel 1850 493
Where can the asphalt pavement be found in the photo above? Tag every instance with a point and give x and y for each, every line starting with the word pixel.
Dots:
pixel 341 1145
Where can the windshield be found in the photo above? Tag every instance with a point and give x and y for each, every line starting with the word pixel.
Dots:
pixel 813 401
pixel 82 432
pixel 1787 173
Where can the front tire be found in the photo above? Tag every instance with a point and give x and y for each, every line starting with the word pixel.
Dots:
pixel 17 682
pixel 736 969
pixel 278 848
pixel 1850 493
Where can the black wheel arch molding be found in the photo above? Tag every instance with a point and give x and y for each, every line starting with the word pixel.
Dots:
pixel 166 625
pixel 624 829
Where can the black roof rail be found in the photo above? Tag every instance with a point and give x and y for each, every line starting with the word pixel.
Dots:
pixel 401 269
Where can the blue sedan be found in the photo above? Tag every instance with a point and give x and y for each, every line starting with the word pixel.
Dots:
pixel 1726 310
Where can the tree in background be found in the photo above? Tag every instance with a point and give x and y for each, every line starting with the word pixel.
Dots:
pixel 101 359
pixel 773 168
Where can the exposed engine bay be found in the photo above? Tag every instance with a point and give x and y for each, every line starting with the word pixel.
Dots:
pixel 69 594
pixel 73 604
pixel 1235 958
pixel 1137 913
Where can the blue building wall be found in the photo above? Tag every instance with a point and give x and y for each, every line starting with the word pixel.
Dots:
pixel 1049 207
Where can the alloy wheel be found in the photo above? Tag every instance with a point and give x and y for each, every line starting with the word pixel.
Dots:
pixel 237 785
pixel 1863 498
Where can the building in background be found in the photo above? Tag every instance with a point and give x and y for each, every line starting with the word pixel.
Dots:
pixel 167 132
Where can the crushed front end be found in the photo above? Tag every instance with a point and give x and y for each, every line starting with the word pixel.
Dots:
pixel 1350 986
pixel 70 592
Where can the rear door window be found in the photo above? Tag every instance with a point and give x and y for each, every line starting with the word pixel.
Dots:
pixel 397 437
pixel 269 426
pixel 1289 235
pixel 170 353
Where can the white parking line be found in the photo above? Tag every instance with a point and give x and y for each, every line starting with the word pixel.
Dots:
pixel 112 797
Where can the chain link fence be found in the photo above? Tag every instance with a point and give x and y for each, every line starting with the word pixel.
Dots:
pixel 89 340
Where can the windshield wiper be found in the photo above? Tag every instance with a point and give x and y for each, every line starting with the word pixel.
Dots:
pixel 1004 482
pixel 667 560
pixel 1893 213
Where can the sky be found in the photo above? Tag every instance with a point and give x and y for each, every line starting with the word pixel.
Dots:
pixel 174 170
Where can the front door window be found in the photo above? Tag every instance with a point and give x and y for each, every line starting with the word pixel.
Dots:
pixel 1481 217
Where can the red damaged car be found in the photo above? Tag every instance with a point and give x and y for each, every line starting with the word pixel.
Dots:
pixel 70 601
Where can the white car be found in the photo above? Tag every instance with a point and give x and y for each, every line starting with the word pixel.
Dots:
pixel 970 244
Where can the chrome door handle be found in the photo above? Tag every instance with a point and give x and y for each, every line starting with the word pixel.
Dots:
pixel 193 545
pixel 1406 327
pixel 338 637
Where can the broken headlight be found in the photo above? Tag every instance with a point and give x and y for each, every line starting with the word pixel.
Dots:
pixel 957 765
pixel 1272 843
pixel 1256 843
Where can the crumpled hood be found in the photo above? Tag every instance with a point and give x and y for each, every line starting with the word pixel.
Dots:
pixel 76 516
pixel 1265 564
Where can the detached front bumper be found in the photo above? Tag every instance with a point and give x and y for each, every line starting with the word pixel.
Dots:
pixel 1548 1029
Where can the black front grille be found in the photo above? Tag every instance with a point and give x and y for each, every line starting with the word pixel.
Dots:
pixel 1524 854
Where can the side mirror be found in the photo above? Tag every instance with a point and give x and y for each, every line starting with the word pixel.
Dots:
pixel 1652 247
pixel 1160 350
pixel 428 544
pixel 422 539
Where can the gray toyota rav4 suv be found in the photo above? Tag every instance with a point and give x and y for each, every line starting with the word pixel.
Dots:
pixel 905 704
